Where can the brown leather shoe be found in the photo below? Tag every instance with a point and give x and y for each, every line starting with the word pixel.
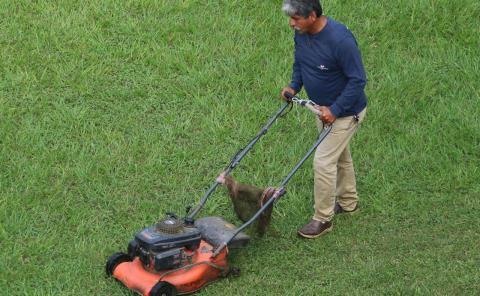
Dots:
pixel 339 210
pixel 315 229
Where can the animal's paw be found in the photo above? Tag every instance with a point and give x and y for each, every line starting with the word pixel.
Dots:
pixel 221 178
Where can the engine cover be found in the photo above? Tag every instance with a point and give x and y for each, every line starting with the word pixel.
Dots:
pixel 165 245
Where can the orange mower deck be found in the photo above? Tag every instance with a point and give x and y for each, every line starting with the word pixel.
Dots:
pixel 187 279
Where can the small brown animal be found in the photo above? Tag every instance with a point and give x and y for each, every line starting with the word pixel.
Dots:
pixel 247 200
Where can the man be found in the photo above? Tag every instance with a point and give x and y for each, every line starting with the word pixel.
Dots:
pixel 329 66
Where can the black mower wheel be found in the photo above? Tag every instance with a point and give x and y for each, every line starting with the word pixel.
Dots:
pixel 114 260
pixel 163 289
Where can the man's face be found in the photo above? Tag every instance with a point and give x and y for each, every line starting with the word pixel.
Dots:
pixel 301 24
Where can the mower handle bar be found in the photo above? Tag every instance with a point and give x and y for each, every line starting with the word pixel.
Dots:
pixel 238 157
pixel 279 192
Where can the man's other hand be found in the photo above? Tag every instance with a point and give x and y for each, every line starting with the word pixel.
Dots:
pixel 287 89
pixel 327 116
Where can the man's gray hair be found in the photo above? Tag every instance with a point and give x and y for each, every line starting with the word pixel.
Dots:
pixel 302 7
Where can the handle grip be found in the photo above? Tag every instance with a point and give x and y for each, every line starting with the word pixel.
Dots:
pixel 306 103
pixel 314 110
pixel 288 95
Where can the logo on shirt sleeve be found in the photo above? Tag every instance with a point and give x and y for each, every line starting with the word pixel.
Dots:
pixel 322 67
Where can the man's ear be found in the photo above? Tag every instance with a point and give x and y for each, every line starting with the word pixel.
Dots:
pixel 312 16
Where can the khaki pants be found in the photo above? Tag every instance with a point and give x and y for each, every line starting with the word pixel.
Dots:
pixel 333 169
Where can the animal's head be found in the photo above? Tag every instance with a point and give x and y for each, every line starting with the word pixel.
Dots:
pixel 225 179
pixel 229 182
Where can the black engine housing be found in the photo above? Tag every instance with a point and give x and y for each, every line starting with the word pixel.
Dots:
pixel 162 246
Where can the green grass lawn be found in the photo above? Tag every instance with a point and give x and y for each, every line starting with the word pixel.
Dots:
pixel 114 112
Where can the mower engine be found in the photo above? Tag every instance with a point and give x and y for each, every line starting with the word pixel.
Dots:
pixel 169 244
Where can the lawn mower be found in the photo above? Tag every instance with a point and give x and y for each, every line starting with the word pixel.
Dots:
pixel 181 255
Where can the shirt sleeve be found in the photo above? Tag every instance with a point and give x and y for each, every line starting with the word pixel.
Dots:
pixel 350 61
pixel 297 81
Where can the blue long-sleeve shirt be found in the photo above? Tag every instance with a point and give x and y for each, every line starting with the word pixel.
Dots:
pixel 329 65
